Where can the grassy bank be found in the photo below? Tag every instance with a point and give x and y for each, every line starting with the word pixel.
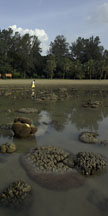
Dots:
pixel 24 82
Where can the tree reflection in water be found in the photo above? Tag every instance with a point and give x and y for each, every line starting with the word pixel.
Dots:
pixel 61 113
pixel 86 118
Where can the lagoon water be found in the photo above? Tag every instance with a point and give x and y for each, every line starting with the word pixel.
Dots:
pixel 59 124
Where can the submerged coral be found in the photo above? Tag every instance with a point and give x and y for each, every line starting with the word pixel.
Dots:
pixel 89 137
pixel 88 163
pixel 15 195
pixel 52 167
pixel 92 104
pixel 49 159
pixel 8 148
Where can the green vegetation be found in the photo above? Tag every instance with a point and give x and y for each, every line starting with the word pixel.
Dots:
pixel 82 59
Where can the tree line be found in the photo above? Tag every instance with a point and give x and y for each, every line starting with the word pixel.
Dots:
pixel 20 55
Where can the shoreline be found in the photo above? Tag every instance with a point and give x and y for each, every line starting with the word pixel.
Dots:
pixel 54 82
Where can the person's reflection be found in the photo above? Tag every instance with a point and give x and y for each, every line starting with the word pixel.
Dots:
pixel 33 93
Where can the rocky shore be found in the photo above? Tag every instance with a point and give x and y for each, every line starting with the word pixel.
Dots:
pixel 54 93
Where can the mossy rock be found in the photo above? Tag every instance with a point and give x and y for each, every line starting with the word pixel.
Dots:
pixel 92 104
pixel 28 110
pixel 89 137
pixel 33 130
pixel 89 163
pixel 104 142
pixel 21 129
pixel 15 195
pixel 23 120
pixel 52 168
pixel 8 148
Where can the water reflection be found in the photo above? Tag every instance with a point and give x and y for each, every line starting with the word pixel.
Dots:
pixel 59 113
pixel 83 118
pixel 5 139
pixel 44 121
pixel 33 93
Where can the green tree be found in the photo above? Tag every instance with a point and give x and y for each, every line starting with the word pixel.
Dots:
pixel 25 52
pixel 65 66
pixel 60 47
pixel 50 66
pixel 78 72
pixel 86 49
pixel 5 45
pixel 105 64
pixel 35 57
pixel 91 68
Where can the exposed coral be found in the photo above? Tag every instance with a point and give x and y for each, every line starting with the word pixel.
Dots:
pixel 15 194
pixel 89 163
pixel 88 137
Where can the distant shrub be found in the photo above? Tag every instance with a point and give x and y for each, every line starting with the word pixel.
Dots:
pixel 17 75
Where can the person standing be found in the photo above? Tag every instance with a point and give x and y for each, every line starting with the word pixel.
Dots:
pixel 33 84
pixel 33 89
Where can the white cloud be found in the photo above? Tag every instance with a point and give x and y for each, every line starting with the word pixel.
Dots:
pixel 100 15
pixel 40 33
pixel 45 48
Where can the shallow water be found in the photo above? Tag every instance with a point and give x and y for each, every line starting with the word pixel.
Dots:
pixel 59 123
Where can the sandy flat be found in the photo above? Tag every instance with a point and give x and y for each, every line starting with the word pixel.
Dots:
pixel 24 82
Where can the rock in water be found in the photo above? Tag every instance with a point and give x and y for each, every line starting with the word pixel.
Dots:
pixel 8 148
pixel 52 167
pixel 92 104
pixel 23 128
pixel 104 142
pixel 23 120
pixel 89 137
pixel 15 195
pixel 27 110
pixel 89 163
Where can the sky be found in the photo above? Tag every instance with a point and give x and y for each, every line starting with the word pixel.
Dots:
pixel 49 18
